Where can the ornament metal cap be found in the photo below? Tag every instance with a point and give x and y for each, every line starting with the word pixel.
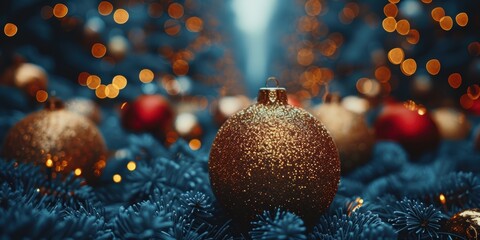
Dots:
pixel 272 95
pixel 54 104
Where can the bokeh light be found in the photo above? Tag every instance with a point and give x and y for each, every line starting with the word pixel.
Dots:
pixel 455 80
pixel 403 27
pixel 389 24
pixel 180 67
pixel 105 8
pixel 175 10
pixel 462 19
pixel 466 102
pixel 313 7
pixel 146 75
pixel 119 82
pixel 446 23
pixel 41 96
pixel 172 27
pixel 413 36
pixel 121 16
pixel 93 81
pixel 473 91
pixel 408 67
pixel 10 29
pixel 195 144
pixel 438 13
pixel 396 56
pixel 194 24
pixel 131 166
pixel 60 10
pixel 390 10
pixel 98 50
pixel 433 66
pixel 383 74
pixel 117 178
pixel 100 91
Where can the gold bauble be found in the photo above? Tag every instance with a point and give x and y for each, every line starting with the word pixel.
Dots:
pixel 465 224
pixel 271 155
pixel 59 141
pixel 452 124
pixel 350 132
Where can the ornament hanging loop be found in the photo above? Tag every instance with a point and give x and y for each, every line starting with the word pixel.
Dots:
pixel 272 79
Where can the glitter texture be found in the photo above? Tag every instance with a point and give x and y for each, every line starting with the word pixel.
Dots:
pixel 59 140
pixel 270 155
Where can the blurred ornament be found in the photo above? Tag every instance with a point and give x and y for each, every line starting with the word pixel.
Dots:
pixel 465 224
pixel 452 124
pixel 409 125
pixel 28 77
pixel 58 140
pixel 226 106
pixel 355 104
pixel 148 113
pixel 293 100
pixel 349 131
pixel 86 108
pixel 273 155
pixel 188 126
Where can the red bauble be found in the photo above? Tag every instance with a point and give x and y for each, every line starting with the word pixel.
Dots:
pixel 148 113
pixel 413 128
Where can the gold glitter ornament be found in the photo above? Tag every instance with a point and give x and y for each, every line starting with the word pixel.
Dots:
pixel 350 132
pixel 465 224
pixel 59 141
pixel 270 155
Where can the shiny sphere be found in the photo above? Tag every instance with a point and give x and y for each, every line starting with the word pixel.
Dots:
pixel 270 155
pixel 59 141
